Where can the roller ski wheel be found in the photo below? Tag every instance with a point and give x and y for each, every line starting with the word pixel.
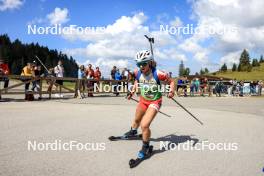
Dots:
pixel 141 157
pixel 117 138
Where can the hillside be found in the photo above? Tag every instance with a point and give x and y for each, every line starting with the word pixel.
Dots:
pixel 257 73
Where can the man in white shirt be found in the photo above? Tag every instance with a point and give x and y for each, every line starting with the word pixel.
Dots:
pixel 59 71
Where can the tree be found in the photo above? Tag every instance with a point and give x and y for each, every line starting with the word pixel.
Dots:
pixel 187 71
pixel 244 61
pixel 223 68
pixel 234 68
pixel 181 68
pixel 18 54
pixel 202 72
pixel 255 63
pixel 261 60
pixel 239 67
pixel 206 71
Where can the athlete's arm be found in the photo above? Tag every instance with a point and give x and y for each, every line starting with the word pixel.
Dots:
pixel 134 88
pixel 162 76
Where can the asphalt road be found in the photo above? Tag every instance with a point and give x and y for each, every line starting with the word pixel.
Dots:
pixel 235 123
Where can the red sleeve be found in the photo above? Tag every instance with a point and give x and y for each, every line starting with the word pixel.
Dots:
pixel 162 76
pixel 5 68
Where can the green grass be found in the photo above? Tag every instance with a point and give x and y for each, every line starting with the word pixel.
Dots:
pixel 257 73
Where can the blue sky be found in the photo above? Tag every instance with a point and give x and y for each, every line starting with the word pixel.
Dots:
pixel 118 44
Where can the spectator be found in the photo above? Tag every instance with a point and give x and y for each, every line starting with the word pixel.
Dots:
pixel 81 82
pixel 234 87
pixel 97 75
pixel 192 87
pixel 197 85
pixel 219 87
pixel 4 71
pixel 260 86
pixel 170 74
pixel 118 77
pixel 184 85
pixel 90 75
pixel 179 86
pixel 125 74
pixel 36 84
pixel 113 71
pixel 204 86
pixel 251 85
pixel 59 72
pixel 125 77
pixel 50 82
pixel 27 71
pixel 241 86
pixel 131 79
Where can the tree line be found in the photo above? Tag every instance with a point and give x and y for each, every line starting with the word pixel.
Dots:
pixel 245 63
pixel 17 55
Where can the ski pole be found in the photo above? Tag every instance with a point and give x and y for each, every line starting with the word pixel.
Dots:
pixel 158 111
pixel 187 111
pixel 42 63
pixel 151 40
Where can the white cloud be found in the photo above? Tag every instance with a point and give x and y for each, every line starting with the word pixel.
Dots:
pixel 59 16
pixel 10 4
pixel 176 22
pixel 242 23
pixel 231 58
pixel 121 40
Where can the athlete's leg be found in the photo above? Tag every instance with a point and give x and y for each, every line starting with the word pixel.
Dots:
pixel 140 111
pixel 146 121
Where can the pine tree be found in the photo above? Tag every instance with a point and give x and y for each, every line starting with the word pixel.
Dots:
pixel 202 72
pixel 245 61
pixel 223 68
pixel 187 71
pixel 261 60
pixel 17 54
pixel 255 63
pixel 234 68
pixel 181 68
pixel 206 71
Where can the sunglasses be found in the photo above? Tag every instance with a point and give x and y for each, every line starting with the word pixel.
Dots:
pixel 142 64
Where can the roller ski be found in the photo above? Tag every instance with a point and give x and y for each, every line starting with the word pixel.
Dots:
pixel 130 135
pixel 143 154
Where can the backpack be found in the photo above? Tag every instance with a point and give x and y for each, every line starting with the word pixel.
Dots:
pixel 154 73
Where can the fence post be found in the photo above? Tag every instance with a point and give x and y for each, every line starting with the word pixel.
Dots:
pixel 76 88
pixel 40 88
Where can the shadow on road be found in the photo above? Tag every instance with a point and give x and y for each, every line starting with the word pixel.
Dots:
pixel 175 140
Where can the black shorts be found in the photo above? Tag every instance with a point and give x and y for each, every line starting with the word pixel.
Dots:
pixel 60 82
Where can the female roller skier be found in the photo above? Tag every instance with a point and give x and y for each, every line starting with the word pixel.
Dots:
pixel 148 81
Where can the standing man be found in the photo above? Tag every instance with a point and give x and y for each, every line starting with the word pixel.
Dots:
pixel 97 76
pixel 59 72
pixel 113 72
pixel 90 75
pixel 118 77
pixel 4 71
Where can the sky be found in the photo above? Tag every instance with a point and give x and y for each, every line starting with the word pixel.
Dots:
pixel 115 30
